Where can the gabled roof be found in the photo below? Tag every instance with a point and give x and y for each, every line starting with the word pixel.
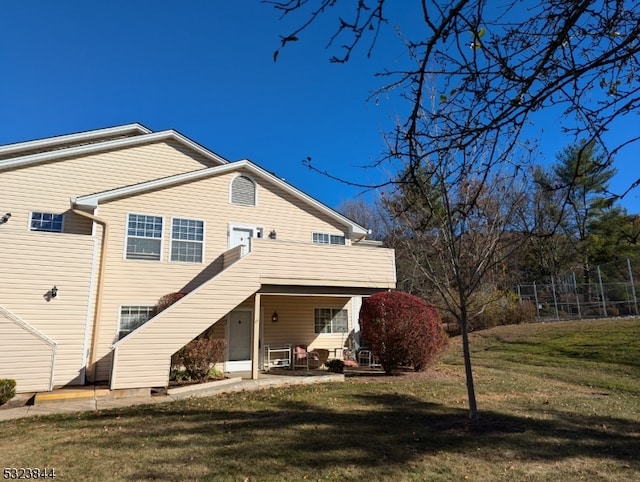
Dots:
pixel 61 147
pixel 67 140
pixel 91 201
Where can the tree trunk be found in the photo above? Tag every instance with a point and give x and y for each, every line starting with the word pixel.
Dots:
pixel 471 393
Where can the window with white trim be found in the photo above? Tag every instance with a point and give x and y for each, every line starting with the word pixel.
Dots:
pixel 132 317
pixel 243 191
pixel 326 238
pixel 47 222
pixel 330 320
pixel 144 237
pixel 187 239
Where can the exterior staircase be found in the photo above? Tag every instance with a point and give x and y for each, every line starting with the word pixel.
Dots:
pixel 143 358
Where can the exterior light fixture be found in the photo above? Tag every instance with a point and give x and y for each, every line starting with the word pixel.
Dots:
pixel 274 317
pixel 272 234
pixel 5 218
pixel 54 292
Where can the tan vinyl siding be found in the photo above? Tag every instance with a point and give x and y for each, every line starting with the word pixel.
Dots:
pixel 292 258
pixel 325 265
pixel 25 357
pixel 139 282
pixel 142 359
pixel 47 187
pixel 295 324
pixel 30 265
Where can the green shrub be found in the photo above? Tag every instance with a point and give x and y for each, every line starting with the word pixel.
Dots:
pixel 198 356
pixel 7 390
pixel 335 365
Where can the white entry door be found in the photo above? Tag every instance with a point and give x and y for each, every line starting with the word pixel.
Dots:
pixel 241 236
pixel 239 345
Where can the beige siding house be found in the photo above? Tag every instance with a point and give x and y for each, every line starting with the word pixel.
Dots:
pixel 95 227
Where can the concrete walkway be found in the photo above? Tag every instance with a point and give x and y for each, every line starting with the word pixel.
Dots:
pixel 85 399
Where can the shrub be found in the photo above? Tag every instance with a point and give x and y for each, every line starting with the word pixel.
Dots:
pixel 335 365
pixel 198 356
pixel 497 308
pixel 7 390
pixel 491 307
pixel 401 329
pixel 166 301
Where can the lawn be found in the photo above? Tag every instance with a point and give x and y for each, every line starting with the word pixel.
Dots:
pixel 558 401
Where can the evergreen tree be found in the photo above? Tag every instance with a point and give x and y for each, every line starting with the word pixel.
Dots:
pixel 582 175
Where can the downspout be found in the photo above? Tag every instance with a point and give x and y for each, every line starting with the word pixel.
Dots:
pixel 99 290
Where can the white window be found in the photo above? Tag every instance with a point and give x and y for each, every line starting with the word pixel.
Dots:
pixel 131 317
pixel 187 237
pixel 325 238
pixel 144 237
pixel 48 222
pixel 243 191
pixel 330 320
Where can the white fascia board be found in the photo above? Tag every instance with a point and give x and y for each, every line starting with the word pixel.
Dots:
pixel 196 147
pixel 101 146
pixel 355 228
pixel 79 136
pixel 91 201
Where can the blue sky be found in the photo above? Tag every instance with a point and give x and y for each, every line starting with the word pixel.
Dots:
pixel 205 68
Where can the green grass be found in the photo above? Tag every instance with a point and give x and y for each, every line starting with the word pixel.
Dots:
pixel 557 401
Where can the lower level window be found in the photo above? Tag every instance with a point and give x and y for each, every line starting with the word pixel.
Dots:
pixel 132 317
pixel 330 320
pixel 48 222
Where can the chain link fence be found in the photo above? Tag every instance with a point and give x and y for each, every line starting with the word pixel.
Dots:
pixel 612 289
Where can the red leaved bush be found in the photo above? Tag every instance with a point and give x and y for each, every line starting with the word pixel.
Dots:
pixel 402 330
pixel 166 301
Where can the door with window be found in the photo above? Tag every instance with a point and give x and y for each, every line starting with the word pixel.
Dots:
pixel 241 236
pixel 239 340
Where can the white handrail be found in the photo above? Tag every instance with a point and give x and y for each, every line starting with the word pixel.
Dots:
pixel 34 331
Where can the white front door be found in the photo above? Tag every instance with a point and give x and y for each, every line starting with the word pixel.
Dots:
pixel 241 236
pixel 239 347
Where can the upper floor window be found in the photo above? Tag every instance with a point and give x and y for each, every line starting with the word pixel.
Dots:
pixel 49 222
pixel 330 320
pixel 144 237
pixel 187 238
pixel 325 238
pixel 243 191
pixel 131 317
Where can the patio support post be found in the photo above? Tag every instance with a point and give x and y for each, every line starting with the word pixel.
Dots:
pixel 255 338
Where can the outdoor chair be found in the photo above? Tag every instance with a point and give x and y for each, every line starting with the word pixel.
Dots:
pixel 367 358
pixel 303 358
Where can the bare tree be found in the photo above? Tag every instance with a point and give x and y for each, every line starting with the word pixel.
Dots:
pixel 475 74
pixel 366 214
pixel 459 220
pixel 496 64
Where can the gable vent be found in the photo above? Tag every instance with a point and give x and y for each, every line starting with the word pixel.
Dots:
pixel 243 191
